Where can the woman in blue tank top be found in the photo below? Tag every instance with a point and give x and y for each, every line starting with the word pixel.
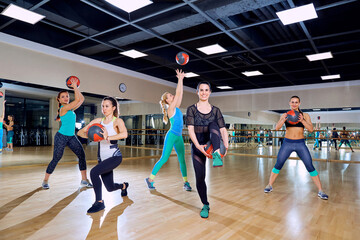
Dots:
pixel 66 135
pixel 294 142
pixel 173 137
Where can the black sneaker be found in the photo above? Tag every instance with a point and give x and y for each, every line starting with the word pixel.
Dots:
pixel 124 191
pixel 96 207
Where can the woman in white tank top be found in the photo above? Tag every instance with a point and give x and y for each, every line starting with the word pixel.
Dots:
pixel 109 155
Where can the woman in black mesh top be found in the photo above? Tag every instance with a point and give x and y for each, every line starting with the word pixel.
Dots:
pixel 205 122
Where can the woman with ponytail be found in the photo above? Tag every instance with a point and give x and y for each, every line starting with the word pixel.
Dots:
pixel 66 135
pixel 170 107
pixel 109 155
pixel 294 142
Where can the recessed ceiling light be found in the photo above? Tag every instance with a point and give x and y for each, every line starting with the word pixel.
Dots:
pixel 316 109
pixel 129 6
pixel 328 77
pixel 22 14
pixel 346 109
pixel 191 74
pixel 212 49
pixel 297 14
pixel 224 87
pixel 133 54
pixel 319 56
pixel 252 73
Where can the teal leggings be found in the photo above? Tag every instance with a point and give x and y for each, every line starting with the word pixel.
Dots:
pixel 172 140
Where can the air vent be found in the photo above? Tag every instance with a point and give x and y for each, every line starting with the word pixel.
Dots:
pixel 240 60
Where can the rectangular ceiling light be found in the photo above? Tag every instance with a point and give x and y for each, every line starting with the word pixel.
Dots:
pixel 319 56
pixel 252 73
pixel 129 5
pixel 328 77
pixel 133 54
pixel 22 14
pixel 224 87
pixel 191 74
pixel 346 109
pixel 297 14
pixel 212 49
pixel 316 109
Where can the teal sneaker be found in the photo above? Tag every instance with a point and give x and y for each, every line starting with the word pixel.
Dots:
pixel 217 162
pixel 149 184
pixel 205 211
pixel 187 186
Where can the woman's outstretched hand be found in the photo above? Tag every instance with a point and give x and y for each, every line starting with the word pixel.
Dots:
pixel 180 74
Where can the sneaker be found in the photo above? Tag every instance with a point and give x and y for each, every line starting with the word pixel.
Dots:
pixel 217 162
pixel 97 206
pixel 86 183
pixel 124 191
pixel 323 195
pixel 45 185
pixel 268 189
pixel 10 149
pixel 187 186
pixel 149 184
pixel 204 213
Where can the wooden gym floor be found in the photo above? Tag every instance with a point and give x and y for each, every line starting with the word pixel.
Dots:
pixel 239 208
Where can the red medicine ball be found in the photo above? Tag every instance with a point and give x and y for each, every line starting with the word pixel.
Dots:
pixel 95 132
pixel 68 81
pixel 182 58
pixel 292 117
pixel 209 149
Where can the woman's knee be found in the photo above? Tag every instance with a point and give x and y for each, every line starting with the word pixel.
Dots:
pixel 94 173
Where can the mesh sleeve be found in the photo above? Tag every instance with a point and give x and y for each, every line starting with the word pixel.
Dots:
pixel 190 118
pixel 219 118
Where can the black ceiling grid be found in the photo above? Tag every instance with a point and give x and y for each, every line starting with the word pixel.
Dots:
pixel 251 32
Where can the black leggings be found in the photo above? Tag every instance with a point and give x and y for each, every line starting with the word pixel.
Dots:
pixel 60 142
pixel 105 170
pixel 199 161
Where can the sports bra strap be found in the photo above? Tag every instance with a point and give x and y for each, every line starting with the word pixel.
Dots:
pixel 114 118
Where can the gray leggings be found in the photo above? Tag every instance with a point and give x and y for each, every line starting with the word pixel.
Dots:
pixel 60 142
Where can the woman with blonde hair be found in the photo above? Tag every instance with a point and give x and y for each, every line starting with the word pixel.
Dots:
pixel 170 106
